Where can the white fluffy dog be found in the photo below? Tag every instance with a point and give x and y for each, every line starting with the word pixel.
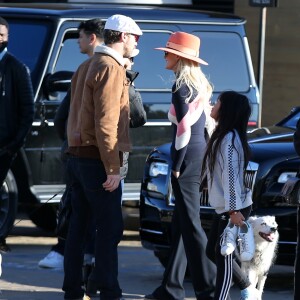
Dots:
pixel 266 241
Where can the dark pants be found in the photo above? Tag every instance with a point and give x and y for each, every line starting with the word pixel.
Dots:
pixel 59 247
pixel 297 260
pixel 88 195
pixel 227 267
pixel 188 240
pixel 5 163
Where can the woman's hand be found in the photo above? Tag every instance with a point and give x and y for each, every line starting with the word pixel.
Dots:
pixel 237 218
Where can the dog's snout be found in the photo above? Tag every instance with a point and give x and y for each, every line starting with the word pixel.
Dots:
pixel 273 229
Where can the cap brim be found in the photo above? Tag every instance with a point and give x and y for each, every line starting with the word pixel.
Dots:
pixel 190 57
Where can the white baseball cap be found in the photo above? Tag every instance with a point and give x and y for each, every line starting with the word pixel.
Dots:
pixel 122 24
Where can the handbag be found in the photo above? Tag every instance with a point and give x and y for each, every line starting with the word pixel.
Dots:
pixel 64 214
pixel 291 191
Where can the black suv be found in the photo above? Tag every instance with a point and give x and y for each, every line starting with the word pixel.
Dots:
pixel 274 158
pixel 44 37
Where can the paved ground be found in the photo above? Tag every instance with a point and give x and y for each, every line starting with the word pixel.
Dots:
pixel 140 272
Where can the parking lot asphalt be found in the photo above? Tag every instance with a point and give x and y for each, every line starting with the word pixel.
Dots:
pixel 139 270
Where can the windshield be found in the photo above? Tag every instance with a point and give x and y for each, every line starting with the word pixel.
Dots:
pixel 291 120
pixel 28 41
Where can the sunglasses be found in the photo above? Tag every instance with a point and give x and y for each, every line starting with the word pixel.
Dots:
pixel 136 37
pixel 166 53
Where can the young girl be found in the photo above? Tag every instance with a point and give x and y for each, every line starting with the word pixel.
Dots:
pixel 225 162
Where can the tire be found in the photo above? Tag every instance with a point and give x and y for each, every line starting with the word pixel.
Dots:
pixel 8 204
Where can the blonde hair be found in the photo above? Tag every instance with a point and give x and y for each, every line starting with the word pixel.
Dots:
pixel 189 73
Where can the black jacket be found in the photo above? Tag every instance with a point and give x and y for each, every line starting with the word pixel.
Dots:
pixel 138 116
pixel 16 103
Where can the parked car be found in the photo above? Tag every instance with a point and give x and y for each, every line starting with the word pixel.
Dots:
pixel 44 37
pixel 274 160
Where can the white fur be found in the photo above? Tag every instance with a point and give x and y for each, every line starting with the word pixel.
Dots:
pixel 265 251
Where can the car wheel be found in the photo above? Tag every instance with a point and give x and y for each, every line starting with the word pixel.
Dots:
pixel 45 217
pixel 8 204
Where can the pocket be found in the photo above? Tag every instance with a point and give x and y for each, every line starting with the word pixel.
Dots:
pixel 92 174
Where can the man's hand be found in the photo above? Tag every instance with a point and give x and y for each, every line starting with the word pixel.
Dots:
pixel 176 173
pixel 112 182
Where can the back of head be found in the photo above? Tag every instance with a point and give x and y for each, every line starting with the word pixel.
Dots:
pixel 95 26
pixel 234 112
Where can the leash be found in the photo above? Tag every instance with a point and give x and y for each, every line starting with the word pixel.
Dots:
pixel 36 209
pixel 3 246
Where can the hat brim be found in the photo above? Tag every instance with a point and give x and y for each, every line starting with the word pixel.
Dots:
pixel 181 54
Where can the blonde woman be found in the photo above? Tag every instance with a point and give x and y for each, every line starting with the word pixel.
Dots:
pixel 189 114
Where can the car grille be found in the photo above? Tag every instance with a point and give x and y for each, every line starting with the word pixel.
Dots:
pixel 250 177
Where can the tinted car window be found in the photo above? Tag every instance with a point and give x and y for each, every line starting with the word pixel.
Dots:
pixel 70 56
pixel 27 41
pixel 150 62
pixel 292 122
pixel 224 52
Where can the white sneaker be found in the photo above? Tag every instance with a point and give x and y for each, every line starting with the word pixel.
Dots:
pixel 52 260
pixel 246 242
pixel 250 293
pixel 228 242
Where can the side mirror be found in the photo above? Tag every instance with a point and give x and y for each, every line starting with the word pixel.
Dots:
pixel 57 82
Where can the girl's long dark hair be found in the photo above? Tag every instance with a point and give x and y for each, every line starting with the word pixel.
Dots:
pixel 233 115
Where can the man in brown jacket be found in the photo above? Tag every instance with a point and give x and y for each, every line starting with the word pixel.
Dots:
pixel 98 134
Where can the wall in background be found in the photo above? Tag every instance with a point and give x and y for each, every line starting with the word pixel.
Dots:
pixel 281 89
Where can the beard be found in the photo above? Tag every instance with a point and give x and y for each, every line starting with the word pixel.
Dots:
pixel 3 45
pixel 127 52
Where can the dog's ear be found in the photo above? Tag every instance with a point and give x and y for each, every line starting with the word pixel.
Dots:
pixel 252 219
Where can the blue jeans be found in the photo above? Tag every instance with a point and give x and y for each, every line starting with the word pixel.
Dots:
pixel 88 196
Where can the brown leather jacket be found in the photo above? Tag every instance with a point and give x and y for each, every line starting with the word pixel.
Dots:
pixel 98 123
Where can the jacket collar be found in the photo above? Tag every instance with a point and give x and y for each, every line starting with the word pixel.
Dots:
pixel 3 53
pixel 111 52
pixel 131 75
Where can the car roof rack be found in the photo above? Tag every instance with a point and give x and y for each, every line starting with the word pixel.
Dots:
pixel 138 2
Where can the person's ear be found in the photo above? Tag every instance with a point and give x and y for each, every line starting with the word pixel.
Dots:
pixel 93 38
pixel 124 36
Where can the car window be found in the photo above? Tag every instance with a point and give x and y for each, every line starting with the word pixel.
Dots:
pixel 224 51
pixel 27 41
pixel 151 63
pixel 291 120
pixel 70 56
pixel 225 54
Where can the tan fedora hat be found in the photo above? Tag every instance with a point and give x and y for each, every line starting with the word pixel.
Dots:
pixel 185 45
